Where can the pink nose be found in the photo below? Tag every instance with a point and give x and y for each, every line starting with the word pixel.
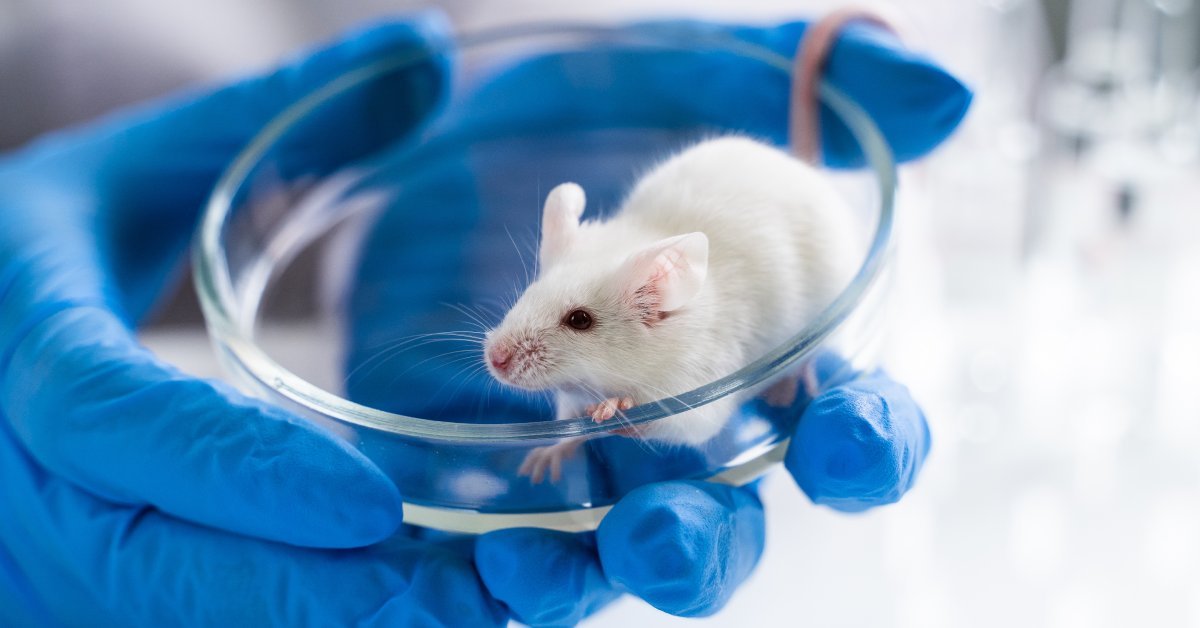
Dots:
pixel 500 357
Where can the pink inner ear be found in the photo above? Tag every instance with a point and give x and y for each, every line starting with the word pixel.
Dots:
pixel 645 303
pixel 666 263
pixel 647 299
pixel 667 275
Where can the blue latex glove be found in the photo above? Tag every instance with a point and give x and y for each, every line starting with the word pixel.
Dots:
pixel 914 102
pixel 682 546
pixel 685 547
pixel 130 493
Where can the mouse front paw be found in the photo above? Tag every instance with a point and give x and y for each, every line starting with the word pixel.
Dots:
pixel 608 408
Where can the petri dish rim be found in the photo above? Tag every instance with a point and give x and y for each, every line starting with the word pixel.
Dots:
pixel 232 334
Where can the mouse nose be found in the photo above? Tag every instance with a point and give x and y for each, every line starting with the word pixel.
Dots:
pixel 500 357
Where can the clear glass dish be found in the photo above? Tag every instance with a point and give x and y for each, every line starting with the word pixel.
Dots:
pixel 317 289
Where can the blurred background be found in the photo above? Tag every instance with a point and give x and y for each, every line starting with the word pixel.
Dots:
pixel 1047 303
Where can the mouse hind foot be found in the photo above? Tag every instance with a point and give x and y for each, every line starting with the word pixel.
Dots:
pixel 543 462
pixel 783 393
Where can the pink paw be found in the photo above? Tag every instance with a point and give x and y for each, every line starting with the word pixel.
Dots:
pixel 608 408
pixel 782 394
pixel 549 459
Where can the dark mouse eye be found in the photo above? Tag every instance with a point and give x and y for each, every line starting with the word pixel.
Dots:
pixel 579 320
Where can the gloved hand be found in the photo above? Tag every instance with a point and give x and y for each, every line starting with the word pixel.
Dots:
pixel 685 547
pixel 133 494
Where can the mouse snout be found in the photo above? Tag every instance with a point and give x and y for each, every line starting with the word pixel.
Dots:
pixel 500 357
pixel 519 360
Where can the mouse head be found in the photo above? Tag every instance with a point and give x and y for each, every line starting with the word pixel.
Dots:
pixel 591 314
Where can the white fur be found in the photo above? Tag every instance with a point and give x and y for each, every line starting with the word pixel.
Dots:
pixel 780 247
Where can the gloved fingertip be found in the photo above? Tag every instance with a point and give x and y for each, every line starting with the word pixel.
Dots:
pixel 376 512
pixel 351 502
pixel 442 588
pixel 373 38
pixel 914 102
pixel 683 547
pixel 545 578
pixel 943 101
pixel 252 467
pixel 858 446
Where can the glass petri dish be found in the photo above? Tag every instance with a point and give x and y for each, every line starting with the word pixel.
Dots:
pixel 348 284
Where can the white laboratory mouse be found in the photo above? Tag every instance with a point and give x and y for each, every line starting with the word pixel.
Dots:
pixel 719 255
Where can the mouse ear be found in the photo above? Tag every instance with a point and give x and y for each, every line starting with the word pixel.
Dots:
pixel 668 274
pixel 560 221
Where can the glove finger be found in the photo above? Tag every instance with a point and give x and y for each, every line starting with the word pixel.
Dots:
pixel 684 547
pixel 95 408
pixel 915 103
pixel 545 578
pixel 19 605
pixel 104 413
pixel 859 445
pixel 105 564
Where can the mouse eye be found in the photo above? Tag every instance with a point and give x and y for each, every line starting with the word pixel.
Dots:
pixel 579 320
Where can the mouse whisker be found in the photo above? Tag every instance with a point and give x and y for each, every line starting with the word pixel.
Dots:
pixel 420 341
pixel 414 343
pixel 497 305
pixel 466 373
pixel 399 348
pixel 415 337
pixel 472 351
pixel 520 255
pixel 474 317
